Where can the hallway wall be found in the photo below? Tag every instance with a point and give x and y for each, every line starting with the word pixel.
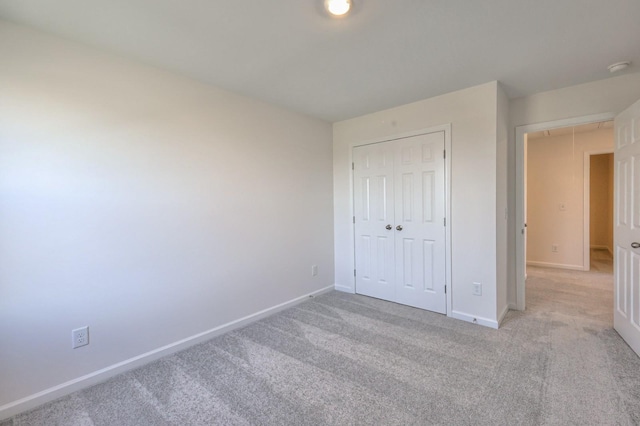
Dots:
pixel 555 197
pixel 601 202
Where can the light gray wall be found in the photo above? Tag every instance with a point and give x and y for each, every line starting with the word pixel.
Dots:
pixel 611 95
pixel 473 116
pixel 145 205
pixel 502 228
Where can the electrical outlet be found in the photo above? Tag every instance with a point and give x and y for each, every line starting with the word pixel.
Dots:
pixel 554 248
pixel 314 270
pixel 477 289
pixel 79 337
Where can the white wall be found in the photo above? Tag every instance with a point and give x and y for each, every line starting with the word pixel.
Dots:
pixel 555 177
pixel 473 115
pixel 145 205
pixel 611 95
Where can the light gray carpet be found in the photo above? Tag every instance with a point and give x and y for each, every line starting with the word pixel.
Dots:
pixel 345 360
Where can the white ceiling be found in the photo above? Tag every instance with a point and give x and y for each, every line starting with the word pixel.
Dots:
pixel 386 53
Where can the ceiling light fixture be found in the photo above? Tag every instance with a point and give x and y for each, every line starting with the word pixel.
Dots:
pixel 338 7
pixel 618 66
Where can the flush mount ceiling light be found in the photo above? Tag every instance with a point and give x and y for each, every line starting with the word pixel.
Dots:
pixel 618 66
pixel 337 7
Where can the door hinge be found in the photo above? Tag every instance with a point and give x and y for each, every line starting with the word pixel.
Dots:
pixel 445 221
pixel 354 219
pixel 354 272
pixel 353 166
pixel 444 154
pixel 445 289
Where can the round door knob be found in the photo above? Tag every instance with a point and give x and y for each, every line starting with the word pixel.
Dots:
pixel 635 245
pixel 389 227
pixel 399 227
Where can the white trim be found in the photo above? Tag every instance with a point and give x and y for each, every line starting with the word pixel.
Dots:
pixel 446 128
pixel 554 265
pixel 586 210
pixel 519 223
pixel 55 392
pixel 474 319
pixel 447 213
pixel 344 288
pixel 502 314
pixel 587 206
pixel 513 306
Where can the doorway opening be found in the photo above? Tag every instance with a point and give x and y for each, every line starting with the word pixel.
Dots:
pixel 553 225
pixel 599 173
pixel 569 202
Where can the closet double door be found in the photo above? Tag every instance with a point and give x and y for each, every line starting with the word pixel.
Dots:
pixel 399 206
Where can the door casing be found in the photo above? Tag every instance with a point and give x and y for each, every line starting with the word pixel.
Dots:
pixel 520 241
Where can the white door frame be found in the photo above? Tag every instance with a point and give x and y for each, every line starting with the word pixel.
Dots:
pixel 586 262
pixel 446 128
pixel 520 213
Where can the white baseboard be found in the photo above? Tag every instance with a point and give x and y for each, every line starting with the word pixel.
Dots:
pixel 475 319
pixel 513 306
pixel 99 376
pixel 344 288
pixel 555 265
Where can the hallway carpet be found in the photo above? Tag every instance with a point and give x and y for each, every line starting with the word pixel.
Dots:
pixel 341 359
pixel 601 260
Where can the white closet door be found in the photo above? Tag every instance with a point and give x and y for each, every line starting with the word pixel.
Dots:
pixel 374 231
pixel 399 196
pixel 419 212
pixel 626 312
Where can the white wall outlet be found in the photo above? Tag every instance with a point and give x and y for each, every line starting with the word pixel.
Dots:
pixel 314 270
pixel 79 337
pixel 477 289
pixel 554 248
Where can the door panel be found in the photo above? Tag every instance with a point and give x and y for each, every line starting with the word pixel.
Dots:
pixel 365 198
pixel 384 247
pixel 622 173
pixel 626 314
pixel 407 197
pixel 622 282
pixel 408 262
pixel 428 260
pixel 428 196
pixel 634 302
